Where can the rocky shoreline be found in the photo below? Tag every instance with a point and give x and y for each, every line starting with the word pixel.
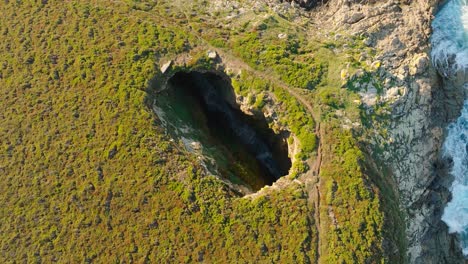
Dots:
pixel 400 32
pixel 418 129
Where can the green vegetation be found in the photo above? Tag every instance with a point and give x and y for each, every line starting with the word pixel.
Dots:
pixel 88 175
pixel 351 215
pixel 290 112
pixel 280 55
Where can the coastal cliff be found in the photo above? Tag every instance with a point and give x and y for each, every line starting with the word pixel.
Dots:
pixel 415 104
pixel 267 131
pixel 422 105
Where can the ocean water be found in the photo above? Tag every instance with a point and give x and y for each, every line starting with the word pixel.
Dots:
pixel 450 55
pixel 456 146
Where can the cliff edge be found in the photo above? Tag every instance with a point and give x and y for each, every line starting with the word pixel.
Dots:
pixel 422 104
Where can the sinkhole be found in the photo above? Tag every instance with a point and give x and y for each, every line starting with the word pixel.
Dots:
pixel 200 110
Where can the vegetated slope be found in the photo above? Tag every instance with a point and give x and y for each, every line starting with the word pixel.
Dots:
pixel 88 175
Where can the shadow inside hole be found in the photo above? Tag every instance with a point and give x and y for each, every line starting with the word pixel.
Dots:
pixel 201 108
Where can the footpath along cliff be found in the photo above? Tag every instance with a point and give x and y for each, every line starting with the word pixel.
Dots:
pixel 422 104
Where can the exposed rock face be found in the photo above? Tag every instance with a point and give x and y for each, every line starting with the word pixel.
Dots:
pixel 422 104
pixel 239 140
pixel 400 31
pixel 166 66
pixel 217 106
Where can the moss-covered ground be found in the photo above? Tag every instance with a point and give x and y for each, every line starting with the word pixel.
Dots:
pixel 87 174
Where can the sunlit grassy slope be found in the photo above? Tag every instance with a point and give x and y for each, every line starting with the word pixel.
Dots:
pixel 88 175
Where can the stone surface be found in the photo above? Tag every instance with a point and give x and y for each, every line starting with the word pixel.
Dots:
pixel 369 96
pixel 421 109
pixel 353 18
pixel 419 64
pixel 212 54
pixel 166 66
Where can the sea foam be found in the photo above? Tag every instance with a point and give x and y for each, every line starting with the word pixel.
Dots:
pixel 450 55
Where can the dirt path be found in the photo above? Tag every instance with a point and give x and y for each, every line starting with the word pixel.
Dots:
pixel 235 61
pixel 232 60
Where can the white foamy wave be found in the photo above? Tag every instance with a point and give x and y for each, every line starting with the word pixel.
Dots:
pixel 456 212
pixel 450 38
pixel 450 56
pixel 456 147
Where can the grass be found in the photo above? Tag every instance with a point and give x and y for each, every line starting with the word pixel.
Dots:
pixel 88 175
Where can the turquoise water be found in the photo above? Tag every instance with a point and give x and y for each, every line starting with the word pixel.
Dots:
pixel 450 55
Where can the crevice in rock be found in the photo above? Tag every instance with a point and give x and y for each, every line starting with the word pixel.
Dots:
pixel 200 110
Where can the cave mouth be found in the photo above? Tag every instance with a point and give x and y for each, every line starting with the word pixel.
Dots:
pixel 239 147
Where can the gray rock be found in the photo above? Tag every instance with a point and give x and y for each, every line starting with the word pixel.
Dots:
pixel 419 64
pixel 212 54
pixel 354 18
pixel 368 42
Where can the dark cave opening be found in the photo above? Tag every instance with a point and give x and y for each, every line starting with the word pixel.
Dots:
pixel 248 151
